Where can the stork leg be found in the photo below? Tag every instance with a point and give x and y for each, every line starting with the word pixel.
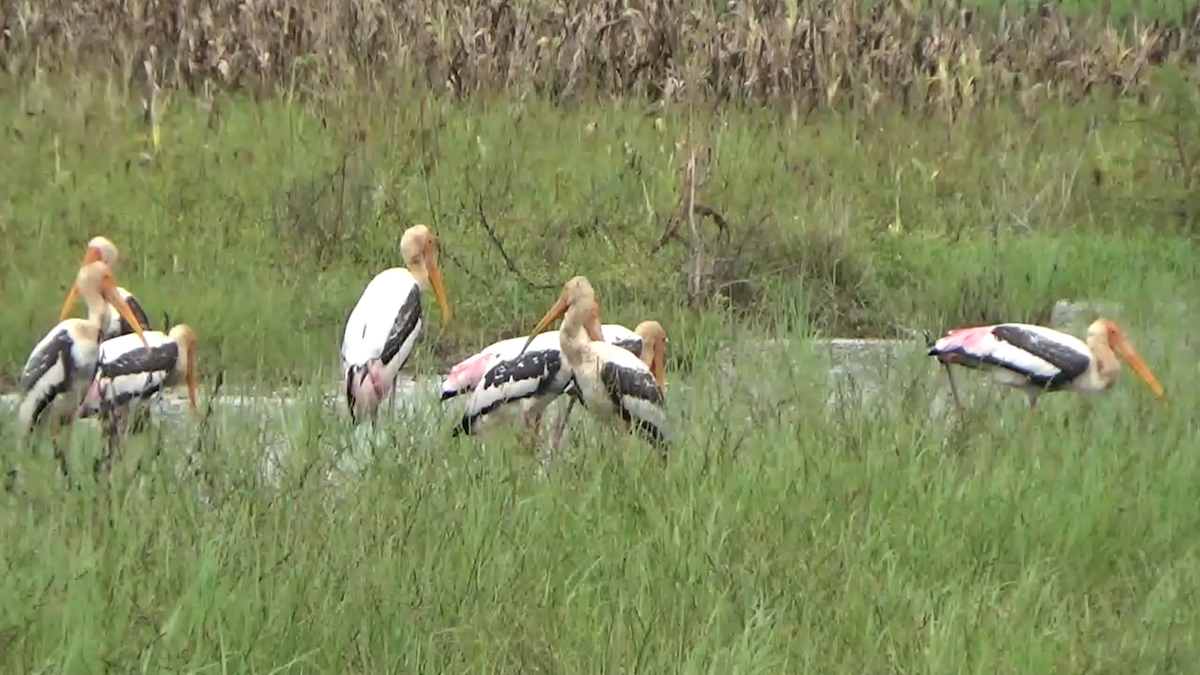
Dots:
pixel 556 441
pixel 533 424
pixel 392 399
pixel 953 386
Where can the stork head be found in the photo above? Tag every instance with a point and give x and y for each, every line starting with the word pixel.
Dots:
pixel 98 249
pixel 95 282
pixel 654 350
pixel 577 298
pixel 418 247
pixel 185 337
pixel 1106 331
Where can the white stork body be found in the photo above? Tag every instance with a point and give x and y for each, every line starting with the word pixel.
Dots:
pixel 385 324
pixel 57 374
pixel 129 372
pixel 611 382
pixel 62 365
pixel 615 384
pixel 1038 360
pixel 379 337
pixel 503 380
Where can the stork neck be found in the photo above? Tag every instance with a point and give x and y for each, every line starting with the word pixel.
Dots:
pixel 97 307
pixel 573 337
pixel 1108 368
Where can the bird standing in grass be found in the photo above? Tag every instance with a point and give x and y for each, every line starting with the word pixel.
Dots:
pixel 612 382
pixel 131 373
pixel 1038 360
pixel 61 367
pixel 500 382
pixel 653 354
pixel 115 325
pixel 383 327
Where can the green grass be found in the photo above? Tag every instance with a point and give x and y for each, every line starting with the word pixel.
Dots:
pixel 264 221
pixel 785 534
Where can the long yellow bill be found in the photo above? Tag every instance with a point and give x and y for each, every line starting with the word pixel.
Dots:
pixel 69 305
pixel 109 291
pixel 439 290
pixel 556 312
pixel 658 367
pixel 1127 352
pixel 91 255
pixel 191 378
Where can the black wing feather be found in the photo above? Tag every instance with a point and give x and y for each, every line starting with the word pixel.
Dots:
pixel 406 322
pixel 142 360
pixel 633 345
pixel 619 382
pixel 543 366
pixel 40 363
pixel 1070 363
pixel 136 308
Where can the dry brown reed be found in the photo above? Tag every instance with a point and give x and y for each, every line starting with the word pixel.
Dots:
pixel 799 56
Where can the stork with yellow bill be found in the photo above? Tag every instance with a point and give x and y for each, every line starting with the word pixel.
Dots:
pixel 115 325
pixel 612 383
pixel 1039 360
pixel 131 373
pixel 60 369
pixel 383 327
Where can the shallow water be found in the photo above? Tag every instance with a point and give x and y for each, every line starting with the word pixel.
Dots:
pixel 854 372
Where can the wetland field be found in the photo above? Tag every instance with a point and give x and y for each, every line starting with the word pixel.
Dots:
pixel 758 179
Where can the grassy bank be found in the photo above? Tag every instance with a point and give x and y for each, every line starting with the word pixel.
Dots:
pixel 260 223
pixel 958 172
pixel 786 534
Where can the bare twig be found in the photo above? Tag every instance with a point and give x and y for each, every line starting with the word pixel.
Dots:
pixel 499 245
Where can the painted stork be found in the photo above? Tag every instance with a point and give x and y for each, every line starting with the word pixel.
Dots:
pixel 384 325
pixel 500 382
pixel 61 367
pixel 612 382
pixel 1038 360
pixel 130 372
pixel 116 325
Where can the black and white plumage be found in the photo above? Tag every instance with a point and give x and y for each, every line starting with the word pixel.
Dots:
pixel 502 379
pixel 1038 360
pixel 385 324
pixel 118 326
pixel 634 395
pixel 114 324
pixel 612 383
pixel 130 372
pixel 61 366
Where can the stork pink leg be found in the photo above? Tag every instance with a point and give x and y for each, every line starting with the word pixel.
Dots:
pixel 556 442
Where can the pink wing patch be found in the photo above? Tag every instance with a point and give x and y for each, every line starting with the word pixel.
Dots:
pixel 466 374
pixel 978 341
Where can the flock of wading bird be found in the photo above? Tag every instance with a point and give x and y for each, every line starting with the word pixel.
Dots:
pixel 111 361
